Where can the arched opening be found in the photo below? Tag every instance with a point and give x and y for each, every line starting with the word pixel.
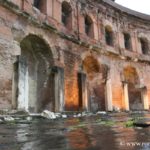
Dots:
pixel 36 3
pixel 127 41
pixel 96 79
pixel 40 4
pixel 36 84
pixel 89 26
pixel 131 79
pixel 66 14
pixel 144 45
pixel 109 38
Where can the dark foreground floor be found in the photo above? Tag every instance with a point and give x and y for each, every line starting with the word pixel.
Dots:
pixel 88 133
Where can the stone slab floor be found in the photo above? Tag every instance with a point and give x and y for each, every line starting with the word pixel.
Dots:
pixel 113 131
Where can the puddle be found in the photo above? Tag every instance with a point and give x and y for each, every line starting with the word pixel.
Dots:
pixel 73 134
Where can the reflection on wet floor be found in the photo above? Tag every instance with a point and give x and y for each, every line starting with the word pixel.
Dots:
pixel 72 134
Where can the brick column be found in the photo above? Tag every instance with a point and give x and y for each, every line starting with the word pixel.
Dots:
pixel 145 99
pixel 57 10
pixel 23 86
pixel 126 96
pixel 83 93
pixel 59 88
pixel 109 106
pixel 49 8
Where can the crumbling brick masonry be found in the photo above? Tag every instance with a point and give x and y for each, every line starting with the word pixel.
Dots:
pixel 73 55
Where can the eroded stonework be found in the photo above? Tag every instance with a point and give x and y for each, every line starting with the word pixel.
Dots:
pixel 61 55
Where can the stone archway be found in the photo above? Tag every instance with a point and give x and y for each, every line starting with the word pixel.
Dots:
pixel 97 79
pixel 132 90
pixel 38 79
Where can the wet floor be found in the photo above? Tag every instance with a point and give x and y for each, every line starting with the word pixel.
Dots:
pixel 88 133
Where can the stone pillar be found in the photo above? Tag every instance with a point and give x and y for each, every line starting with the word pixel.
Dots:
pixel 15 85
pixel 59 88
pixel 56 14
pixel 82 88
pixel 126 96
pixel 23 88
pixel 145 99
pixel 49 7
pixel 84 91
pixel 109 106
pixel 81 24
pixel 95 30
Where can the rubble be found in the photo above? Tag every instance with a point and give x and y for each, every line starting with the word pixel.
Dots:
pixel 84 113
pixel 48 114
pixel 58 115
pixel 79 115
pixel 116 109
pixel 9 119
pixel 29 118
pixel 64 116
pixel 101 113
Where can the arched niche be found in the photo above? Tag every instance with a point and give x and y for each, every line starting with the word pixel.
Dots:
pixel 89 28
pixel 34 69
pixel 133 89
pixel 66 16
pixel 109 35
pixel 96 78
pixel 40 83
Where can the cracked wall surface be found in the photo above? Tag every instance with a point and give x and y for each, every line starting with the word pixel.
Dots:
pixel 56 53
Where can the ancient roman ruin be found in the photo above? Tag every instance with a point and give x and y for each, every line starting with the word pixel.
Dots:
pixel 73 55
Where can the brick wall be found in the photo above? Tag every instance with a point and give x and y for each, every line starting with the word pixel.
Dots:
pixel 16 23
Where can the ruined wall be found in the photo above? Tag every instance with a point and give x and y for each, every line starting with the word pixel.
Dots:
pixel 70 47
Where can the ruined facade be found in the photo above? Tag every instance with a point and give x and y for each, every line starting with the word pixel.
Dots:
pixel 71 55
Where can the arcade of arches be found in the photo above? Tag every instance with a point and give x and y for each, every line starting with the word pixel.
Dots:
pixel 39 84
pixel 70 55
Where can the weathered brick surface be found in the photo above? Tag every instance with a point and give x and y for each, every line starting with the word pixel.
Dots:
pixel 69 48
pixel 71 81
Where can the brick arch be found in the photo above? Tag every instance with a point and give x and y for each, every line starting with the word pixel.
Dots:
pixel 44 38
pixel 18 37
pixel 91 65
pixel 85 12
pixel 97 74
pixel 144 45
pixel 66 17
pixel 89 25
pixel 35 75
pixel 131 75
pixel 132 67
pixel 109 35
pixel 132 82
pixel 109 28
pixel 67 3
pixel 41 43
